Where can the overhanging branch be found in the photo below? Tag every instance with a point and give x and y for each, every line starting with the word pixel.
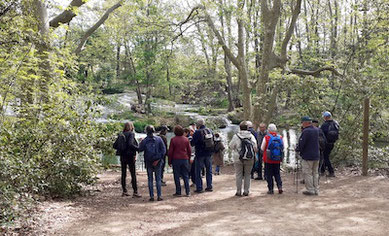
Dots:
pixel 67 15
pixel 314 73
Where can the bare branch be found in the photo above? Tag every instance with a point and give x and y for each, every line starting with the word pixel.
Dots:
pixel 67 15
pixel 314 73
pixel 289 33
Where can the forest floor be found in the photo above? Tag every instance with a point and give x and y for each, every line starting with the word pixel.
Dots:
pixel 348 205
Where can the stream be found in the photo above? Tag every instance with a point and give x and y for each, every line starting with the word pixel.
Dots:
pixel 129 98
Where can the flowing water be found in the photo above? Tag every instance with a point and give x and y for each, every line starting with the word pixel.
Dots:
pixel 126 99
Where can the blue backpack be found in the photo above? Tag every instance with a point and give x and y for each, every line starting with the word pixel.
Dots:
pixel 275 149
pixel 151 150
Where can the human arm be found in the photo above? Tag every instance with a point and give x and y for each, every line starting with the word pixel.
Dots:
pixel 132 143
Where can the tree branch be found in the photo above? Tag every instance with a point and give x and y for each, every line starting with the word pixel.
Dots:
pixel 67 15
pixel 289 33
pixel 314 73
pixel 92 29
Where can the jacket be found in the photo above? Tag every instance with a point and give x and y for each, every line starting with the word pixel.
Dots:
pixel 131 147
pixel 160 144
pixel 198 143
pixel 235 143
pixel 265 144
pixel 179 149
pixel 325 127
pixel 218 155
pixel 308 144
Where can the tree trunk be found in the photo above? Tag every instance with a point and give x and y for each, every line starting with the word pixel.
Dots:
pixel 118 61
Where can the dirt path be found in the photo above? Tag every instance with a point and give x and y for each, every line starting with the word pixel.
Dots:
pixel 347 205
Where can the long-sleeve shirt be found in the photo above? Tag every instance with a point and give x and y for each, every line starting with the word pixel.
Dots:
pixel 179 149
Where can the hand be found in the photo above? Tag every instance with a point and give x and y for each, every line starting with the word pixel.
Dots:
pixel 191 161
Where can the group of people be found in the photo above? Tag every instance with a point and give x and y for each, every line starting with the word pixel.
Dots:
pixel 196 149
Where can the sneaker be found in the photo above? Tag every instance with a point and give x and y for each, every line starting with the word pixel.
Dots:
pixel 177 195
pixel 199 191
pixel 270 192
pixel 136 195
pixel 280 191
pixel 238 194
pixel 125 194
pixel 159 199
pixel 308 193
pixel 245 194
pixel 331 175
pixel 208 190
pixel 151 199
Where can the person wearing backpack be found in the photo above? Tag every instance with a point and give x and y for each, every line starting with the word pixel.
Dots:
pixel 244 147
pixel 262 132
pixel 179 157
pixel 162 133
pixel 126 147
pixel 273 154
pixel 154 151
pixel 308 146
pixel 322 143
pixel 218 155
pixel 330 129
pixel 203 141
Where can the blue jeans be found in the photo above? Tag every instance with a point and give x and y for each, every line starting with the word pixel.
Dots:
pixel 181 168
pixel 200 162
pixel 157 170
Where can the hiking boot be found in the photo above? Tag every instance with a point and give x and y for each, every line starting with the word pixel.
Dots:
pixel 208 190
pixel 177 195
pixel 163 183
pixel 151 199
pixel 199 191
pixel 280 191
pixel 136 195
pixel 270 192
pixel 125 194
pixel 159 199
pixel 331 175
pixel 238 194
pixel 245 194
pixel 308 193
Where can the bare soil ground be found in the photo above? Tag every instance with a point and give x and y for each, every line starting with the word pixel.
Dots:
pixel 347 205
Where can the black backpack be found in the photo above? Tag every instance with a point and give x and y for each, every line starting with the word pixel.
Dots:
pixel 120 144
pixel 209 143
pixel 333 132
pixel 246 148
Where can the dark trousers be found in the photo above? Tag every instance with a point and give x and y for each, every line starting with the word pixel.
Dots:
pixel 193 172
pixel 273 170
pixel 181 169
pixel 257 166
pixel 131 167
pixel 327 161
pixel 200 162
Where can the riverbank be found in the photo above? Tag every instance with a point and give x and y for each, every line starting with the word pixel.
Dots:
pixel 348 205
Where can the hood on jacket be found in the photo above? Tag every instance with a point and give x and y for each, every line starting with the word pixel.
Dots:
pixel 244 134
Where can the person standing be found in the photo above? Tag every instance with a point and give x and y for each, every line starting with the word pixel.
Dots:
pixel 187 133
pixel 322 143
pixel 154 151
pixel 203 141
pixel 272 147
pixel 243 146
pixel 128 158
pixel 179 157
pixel 330 129
pixel 255 162
pixel 261 135
pixel 308 146
pixel 218 155
pixel 162 134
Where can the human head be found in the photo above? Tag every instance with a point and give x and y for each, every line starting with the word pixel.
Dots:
pixel 178 130
pixel 315 123
pixel 272 128
pixel 200 122
pixel 129 126
pixel 327 115
pixel 186 132
pixel 243 125
pixel 306 121
pixel 262 127
pixel 164 129
pixel 150 130
pixel 249 124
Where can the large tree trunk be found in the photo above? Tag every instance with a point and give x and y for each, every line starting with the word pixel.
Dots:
pixel 117 60
pixel 131 64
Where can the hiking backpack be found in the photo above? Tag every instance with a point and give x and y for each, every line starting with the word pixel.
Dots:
pixel 151 150
pixel 333 132
pixel 275 149
pixel 209 143
pixel 246 148
pixel 120 144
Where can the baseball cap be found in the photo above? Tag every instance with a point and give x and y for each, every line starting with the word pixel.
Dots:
pixel 327 114
pixel 306 118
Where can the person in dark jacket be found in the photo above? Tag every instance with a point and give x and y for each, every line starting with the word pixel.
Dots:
pixel 187 133
pixel 179 157
pixel 218 155
pixel 322 143
pixel 308 146
pixel 153 162
pixel 325 127
pixel 203 157
pixel 162 134
pixel 261 134
pixel 255 162
pixel 128 158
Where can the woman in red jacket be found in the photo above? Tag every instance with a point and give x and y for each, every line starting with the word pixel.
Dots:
pixel 179 156
pixel 272 165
